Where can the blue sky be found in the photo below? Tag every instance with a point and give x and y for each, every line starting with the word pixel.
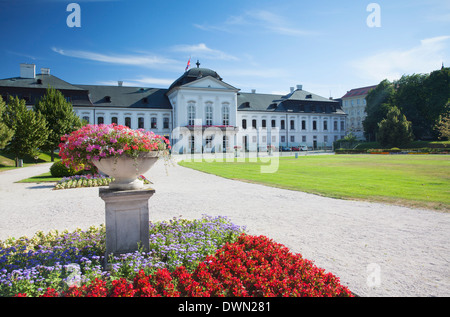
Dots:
pixel 267 45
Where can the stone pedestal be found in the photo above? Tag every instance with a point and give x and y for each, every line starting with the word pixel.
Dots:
pixel 126 220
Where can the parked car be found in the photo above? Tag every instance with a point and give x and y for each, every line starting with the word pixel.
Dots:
pixel 285 149
pixel 303 148
pixel 295 148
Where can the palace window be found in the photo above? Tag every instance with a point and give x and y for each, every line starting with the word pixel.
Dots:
pixel 325 125
pixel 225 143
pixel 191 114
pixel 153 122
pixel 254 123
pixel 282 125
pixel 208 144
pixel 244 124
pixel 140 123
pixel 208 115
pixel 114 120
pixel 292 125
pixel 274 123
pixel 314 125
pixel 192 143
pixel 225 115
pixel 100 120
pixel 128 121
pixel 86 118
pixel 263 124
pixel 166 123
pixel 303 124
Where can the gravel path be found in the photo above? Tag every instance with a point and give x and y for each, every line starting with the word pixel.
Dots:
pixel 376 250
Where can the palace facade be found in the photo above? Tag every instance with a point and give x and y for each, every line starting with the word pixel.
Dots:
pixel 199 112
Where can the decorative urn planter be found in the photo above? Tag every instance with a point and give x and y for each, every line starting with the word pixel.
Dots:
pixel 126 169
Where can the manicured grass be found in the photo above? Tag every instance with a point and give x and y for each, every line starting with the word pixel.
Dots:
pixel 411 180
pixel 7 160
pixel 43 178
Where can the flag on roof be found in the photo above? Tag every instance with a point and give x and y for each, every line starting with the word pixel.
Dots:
pixel 188 64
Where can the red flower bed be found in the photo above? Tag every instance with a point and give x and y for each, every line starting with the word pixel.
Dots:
pixel 252 266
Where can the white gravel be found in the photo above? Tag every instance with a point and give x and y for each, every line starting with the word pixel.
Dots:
pixel 377 250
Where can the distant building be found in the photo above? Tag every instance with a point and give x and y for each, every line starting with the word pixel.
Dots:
pixel 199 112
pixel 354 105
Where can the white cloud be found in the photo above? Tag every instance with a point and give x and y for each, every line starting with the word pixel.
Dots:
pixel 424 58
pixel 262 19
pixel 143 60
pixel 140 82
pixel 203 51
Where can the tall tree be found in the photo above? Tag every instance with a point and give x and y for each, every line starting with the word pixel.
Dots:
pixel 5 132
pixel 60 117
pixel 378 103
pixel 437 100
pixel 394 130
pixel 29 127
pixel 443 125
pixel 410 98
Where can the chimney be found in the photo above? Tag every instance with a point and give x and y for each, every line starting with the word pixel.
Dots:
pixel 45 71
pixel 120 83
pixel 292 89
pixel 253 91
pixel 299 87
pixel 27 70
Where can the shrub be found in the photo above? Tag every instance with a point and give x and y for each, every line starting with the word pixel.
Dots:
pixel 58 169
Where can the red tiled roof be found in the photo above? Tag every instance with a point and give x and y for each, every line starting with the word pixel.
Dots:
pixel 358 91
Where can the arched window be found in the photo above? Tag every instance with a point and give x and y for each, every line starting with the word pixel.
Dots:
pixel 209 115
pixel 128 121
pixel 153 123
pixel 225 115
pixel 191 114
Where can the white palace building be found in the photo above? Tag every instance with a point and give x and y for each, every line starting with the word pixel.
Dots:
pixel 199 112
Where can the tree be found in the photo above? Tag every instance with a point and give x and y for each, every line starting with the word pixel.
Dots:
pixel 378 103
pixel 29 128
pixel 437 103
pixel 394 130
pixel 443 126
pixel 5 132
pixel 410 98
pixel 60 117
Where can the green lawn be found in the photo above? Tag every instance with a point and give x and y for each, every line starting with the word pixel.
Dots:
pixel 43 178
pixel 7 160
pixel 410 180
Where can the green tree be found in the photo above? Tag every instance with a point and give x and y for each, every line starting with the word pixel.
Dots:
pixel 394 130
pixel 410 98
pixel 60 117
pixel 443 126
pixel 378 103
pixel 437 102
pixel 5 132
pixel 29 127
